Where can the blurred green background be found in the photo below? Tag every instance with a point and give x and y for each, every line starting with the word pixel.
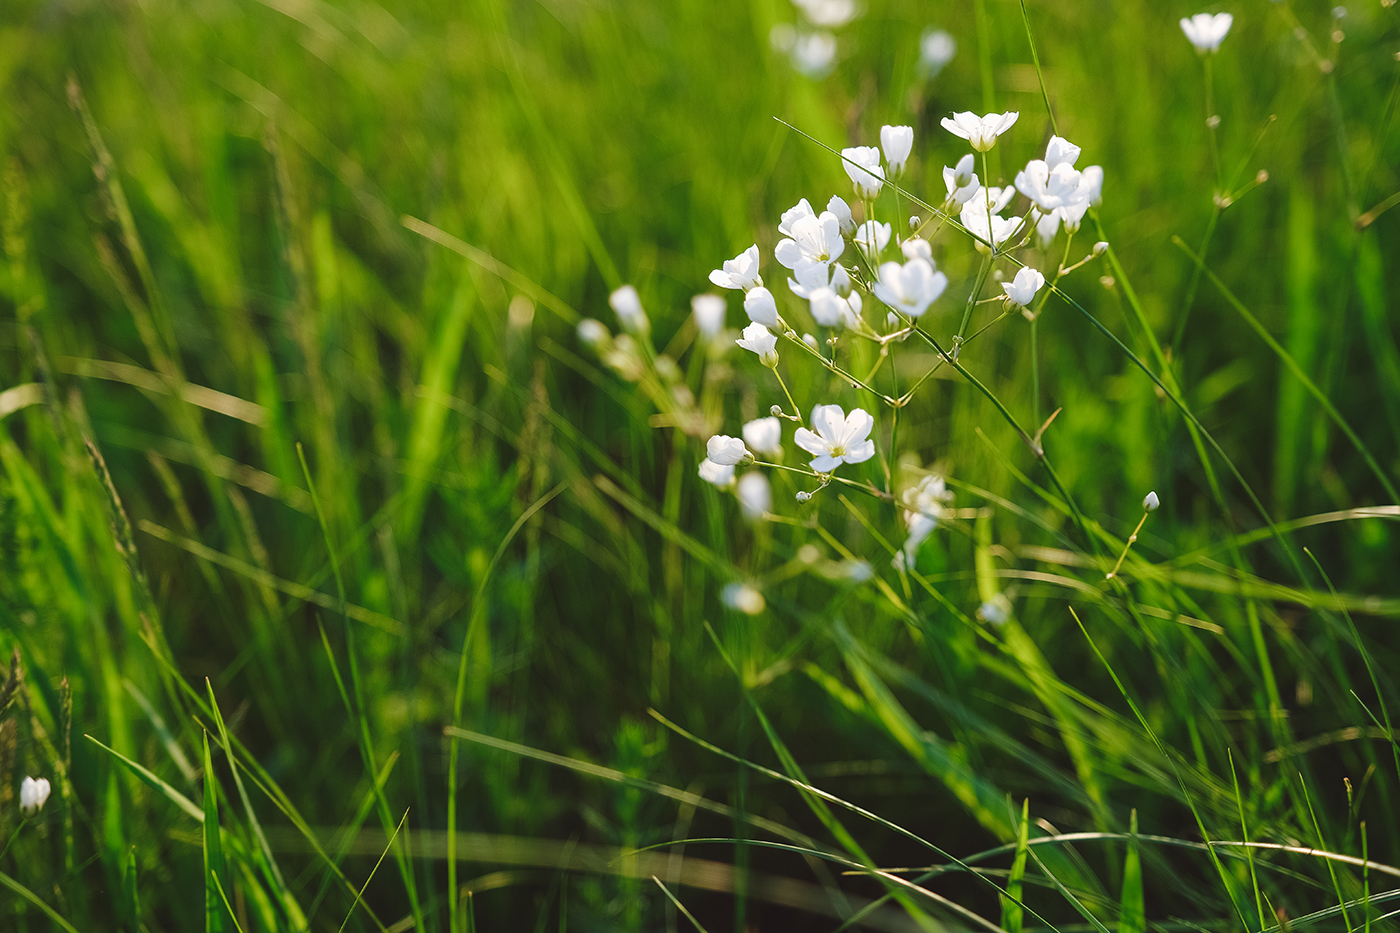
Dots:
pixel 231 228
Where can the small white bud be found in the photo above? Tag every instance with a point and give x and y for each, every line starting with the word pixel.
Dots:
pixel 593 332
pixel 628 306
pixel 914 222
pixel 804 496
pixel 1100 248
pixel 1151 502
pixel 810 341
pixel 32 794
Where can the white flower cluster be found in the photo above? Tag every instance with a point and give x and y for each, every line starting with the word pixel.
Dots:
pixel 856 277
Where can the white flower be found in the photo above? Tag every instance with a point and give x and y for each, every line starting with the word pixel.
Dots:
pixel 743 598
pixel 814 53
pixel 936 50
pixel 862 164
pixel 1151 503
pixel 982 132
pixel 739 272
pixel 760 307
pixel 1091 185
pixel 793 214
pixel 755 495
pixel 872 237
pixel 838 438
pixel 1060 150
pixel 925 505
pixel 990 228
pixel 760 340
pixel 897 141
pixel 831 310
pixel 916 247
pixel 961 182
pixel 764 435
pixel 811 241
pixel 719 474
pixel 628 307
pixel 842 210
pixel 726 450
pixel 1047 226
pixel 1049 188
pixel 1206 32
pixel 1072 214
pixel 910 288
pixel 32 794
pixel 709 314
pixel 832 14
pixel 1021 290
pixel 592 332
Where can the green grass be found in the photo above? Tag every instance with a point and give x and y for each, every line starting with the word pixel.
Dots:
pixel 329 551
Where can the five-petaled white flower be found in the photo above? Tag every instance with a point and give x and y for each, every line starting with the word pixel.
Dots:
pixel 760 307
pixel 961 182
pixel 709 314
pixel 764 435
pixel 862 164
pixel 910 288
pixel 32 794
pixel 739 272
pixel 1049 188
pixel 720 474
pixel 1206 32
pixel 812 241
pixel 727 450
pixel 872 237
pixel 628 306
pixel 760 340
pixel 755 495
pixel 838 438
pixel 1021 290
pixel 897 141
pixel 983 131
pixel 990 228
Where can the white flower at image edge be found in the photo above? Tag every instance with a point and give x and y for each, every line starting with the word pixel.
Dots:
pixel 1206 32
pixel 910 288
pixel 739 272
pixel 743 598
pixel 866 173
pixel 727 450
pixel 709 314
pixel 1022 289
pixel 983 131
pixel 764 435
pixel 717 473
pixel 837 438
pixel 897 141
pixel 32 794
pixel 755 495
pixel 760 340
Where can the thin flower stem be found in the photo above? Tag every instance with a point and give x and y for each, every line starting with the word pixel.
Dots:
pixel 1180 333
pixel 797 412
pixel 1035 371
pixel 972 297
pixel 13 836
pixel 830 477
pixel 1124 556
pixel 792 336
pixel 894 420
pixel 1212 123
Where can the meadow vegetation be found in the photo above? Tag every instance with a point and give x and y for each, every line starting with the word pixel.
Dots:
pixel 356 578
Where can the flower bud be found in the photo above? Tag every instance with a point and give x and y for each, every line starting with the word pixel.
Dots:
pixel 1151 503
pixel 593 333
pixel 810 341
pixel 840 280
pixel 804 496
pixel 962 172
pixel 914 222
pixel 628 305
pixel 1100 248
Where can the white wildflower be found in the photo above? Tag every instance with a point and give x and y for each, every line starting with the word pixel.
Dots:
pixel 760 340
pixel 981 132
pixel 718 474
pixel 739 272
pixel 1151 503
pixel 628 307
pixel 760 307
pixel 726 450
pixel 897 141
pixel 32 794
pixel 708 311
pixel 961 182
pixel 872 237
pixel 1206 32
pixel 842 210
pixel 917 248
pixel 1021 291
pixel 910 288
pixel 764 435
pixel 862 164
pixel 837 438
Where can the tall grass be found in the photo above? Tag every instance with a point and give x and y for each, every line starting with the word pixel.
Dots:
pixel 347 590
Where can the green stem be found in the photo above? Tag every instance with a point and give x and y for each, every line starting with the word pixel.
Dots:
pixel 972 298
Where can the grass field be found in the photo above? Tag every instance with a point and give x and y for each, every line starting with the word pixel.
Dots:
pixel 348 588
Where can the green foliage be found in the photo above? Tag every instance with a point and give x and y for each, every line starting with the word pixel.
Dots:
pixel 292 403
